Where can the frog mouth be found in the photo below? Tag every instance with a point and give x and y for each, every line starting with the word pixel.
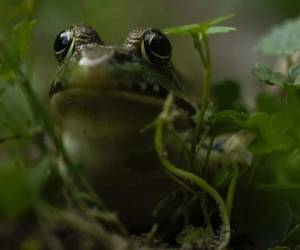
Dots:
pixel 142 89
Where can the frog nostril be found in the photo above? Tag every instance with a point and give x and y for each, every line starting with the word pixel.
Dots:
pixel 55 87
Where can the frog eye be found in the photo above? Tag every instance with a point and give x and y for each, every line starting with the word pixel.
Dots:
pixel 63 44
pixel 156 48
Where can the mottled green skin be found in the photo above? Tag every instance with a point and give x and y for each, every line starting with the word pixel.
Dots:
pixel 101 116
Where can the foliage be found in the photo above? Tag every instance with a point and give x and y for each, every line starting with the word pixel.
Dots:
pixel 208 27
pixel 283 39
pixel 258 194
pixel 275 145
pixel 31 175
pixel 266 75
pixel 264 217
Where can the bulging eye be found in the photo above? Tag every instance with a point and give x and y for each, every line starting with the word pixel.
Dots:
pixel 156 48
pixel 63 44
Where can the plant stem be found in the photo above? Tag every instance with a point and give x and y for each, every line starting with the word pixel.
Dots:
pixel 205 176
pixel 203 48
pixel 184 146
pixel 256 162
pixel 205 213
pixel 231 188
pixel 161 123
pixel 203 137
pixel 207 157
pixel 151 235
pixel 39 113
pixel 206 77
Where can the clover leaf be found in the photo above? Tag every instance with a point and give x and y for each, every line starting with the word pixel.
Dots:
pixel 283 39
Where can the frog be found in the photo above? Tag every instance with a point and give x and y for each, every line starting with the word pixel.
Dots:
pixel 101 99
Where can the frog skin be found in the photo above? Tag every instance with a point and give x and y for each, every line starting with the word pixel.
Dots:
pixel 101 99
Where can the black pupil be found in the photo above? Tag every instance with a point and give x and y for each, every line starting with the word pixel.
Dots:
pixel 62 42
pixel 159 44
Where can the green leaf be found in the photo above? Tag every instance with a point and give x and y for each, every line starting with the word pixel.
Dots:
pixel 296 83
pixel 293 104
pixel 15 196
pixel 284 39
pixel 294 75
pixel 269 103
pixel 259 146
pixel 201 27
pixel 219 30
pixel 279 123
pixel 12 12
pixel 264 74
pixel 20 39
pixel 18 122
pixel 271 132
pixel 228 120
pixel 257 121
pixel 38 175
pixel 294 72
pixel 20 188
pixel 263 216
pixel 14 51
pixel 222 176
pixel 280 172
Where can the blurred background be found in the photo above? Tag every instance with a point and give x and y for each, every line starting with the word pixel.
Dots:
pixel 233 54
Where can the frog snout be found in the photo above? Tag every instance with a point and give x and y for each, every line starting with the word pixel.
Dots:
pixel 91 57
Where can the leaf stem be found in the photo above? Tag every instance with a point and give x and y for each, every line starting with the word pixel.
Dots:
pixel 161 123
pixel 205 176
pixel 231 188
pixel 202 47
